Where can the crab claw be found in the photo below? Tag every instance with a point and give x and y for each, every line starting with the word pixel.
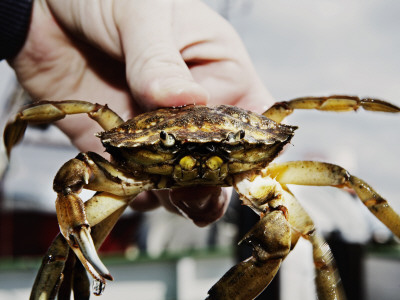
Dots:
pixel 82 244
pixel 76 230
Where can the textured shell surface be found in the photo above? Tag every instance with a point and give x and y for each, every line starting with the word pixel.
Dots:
pixel 196 124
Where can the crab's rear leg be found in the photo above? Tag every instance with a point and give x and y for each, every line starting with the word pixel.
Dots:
pixel 337 103
pixel 324 174
pixel 51 111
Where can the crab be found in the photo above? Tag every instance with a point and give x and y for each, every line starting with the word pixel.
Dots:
pixel 185 146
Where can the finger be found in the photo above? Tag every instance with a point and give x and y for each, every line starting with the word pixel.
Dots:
pixel 234 84
pixel 156 71
pixel 159 78
pixel 218 59
pixel 138 33
pixel 203 205
pixel 145 201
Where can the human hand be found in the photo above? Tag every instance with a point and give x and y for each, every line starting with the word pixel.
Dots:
pixel 138 55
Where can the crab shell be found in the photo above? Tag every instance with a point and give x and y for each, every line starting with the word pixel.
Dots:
pixel 196 143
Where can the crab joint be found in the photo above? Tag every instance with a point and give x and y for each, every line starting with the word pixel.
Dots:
pixel 187 163
pixel 167 139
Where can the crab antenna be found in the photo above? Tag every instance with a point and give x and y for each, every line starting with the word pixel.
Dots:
pixel 167 139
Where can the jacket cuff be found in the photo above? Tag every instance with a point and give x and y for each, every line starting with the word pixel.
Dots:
pixel 15 17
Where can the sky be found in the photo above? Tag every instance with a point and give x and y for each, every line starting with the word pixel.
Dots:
pixel 320 47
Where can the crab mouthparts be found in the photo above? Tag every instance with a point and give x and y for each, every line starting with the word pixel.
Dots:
pixel 205 168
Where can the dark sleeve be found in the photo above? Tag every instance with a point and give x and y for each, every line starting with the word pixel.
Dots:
pixel 15 17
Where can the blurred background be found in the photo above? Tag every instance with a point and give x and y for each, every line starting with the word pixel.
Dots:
pixel 299 48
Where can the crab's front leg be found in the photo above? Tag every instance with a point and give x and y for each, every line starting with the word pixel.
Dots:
pixel 282 222
pixel 250 277
pixel 91 171
pixel 59 267
pixel 271 239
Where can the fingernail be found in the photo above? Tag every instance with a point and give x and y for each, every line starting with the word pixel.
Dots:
pixel 177 92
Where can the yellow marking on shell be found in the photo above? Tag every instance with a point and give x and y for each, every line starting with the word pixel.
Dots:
pixel 187 163
pixel 253 155
pixel 140 139
pixel 214 162
pixel 161 170
pixel 236 167
pixel 146 157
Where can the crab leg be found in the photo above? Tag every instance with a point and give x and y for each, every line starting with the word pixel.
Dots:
pixel 324 174
pixel 283 221
pixel 327 279
pixel 250 277
pixel 102 212
pixel 75 279
pixel 337 103
pixel 99 232
pixel 91 171
pixel 49 111
pixel 51 273
pixel 271 239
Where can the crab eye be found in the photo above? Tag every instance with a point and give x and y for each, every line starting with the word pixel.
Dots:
pixel 167 139
pixel 235 137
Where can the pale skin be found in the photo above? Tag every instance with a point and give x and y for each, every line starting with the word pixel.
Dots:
pixel 135 56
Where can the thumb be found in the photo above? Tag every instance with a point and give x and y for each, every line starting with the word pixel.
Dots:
pixel 156 72
pixel 159 77
pixel 139 33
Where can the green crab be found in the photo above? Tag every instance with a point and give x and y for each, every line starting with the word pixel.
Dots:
pixel 185 146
